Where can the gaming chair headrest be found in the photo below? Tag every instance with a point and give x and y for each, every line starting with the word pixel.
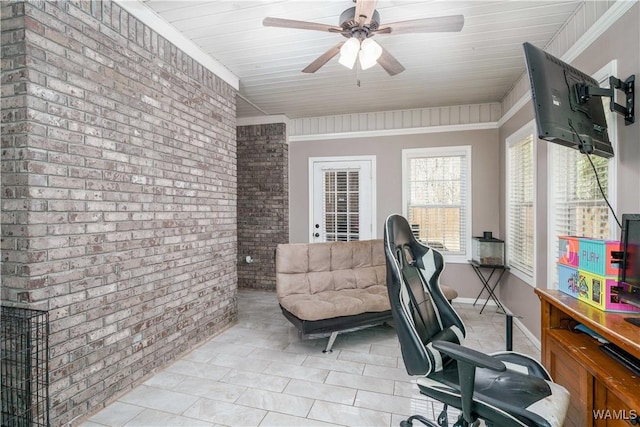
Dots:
pixel 399 231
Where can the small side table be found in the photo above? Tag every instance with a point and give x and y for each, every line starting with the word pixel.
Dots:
pixel 486 282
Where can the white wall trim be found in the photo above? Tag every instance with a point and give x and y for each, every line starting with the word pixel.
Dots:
pixel 262 120
pixel 615 12
pixel 160 26
pixel 393 132
pixel 527 129
pixel 515 108
pixel 610 17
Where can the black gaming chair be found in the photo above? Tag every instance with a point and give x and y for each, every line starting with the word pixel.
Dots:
pixel 504 389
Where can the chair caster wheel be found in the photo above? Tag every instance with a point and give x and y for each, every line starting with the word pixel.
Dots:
pixel 406 423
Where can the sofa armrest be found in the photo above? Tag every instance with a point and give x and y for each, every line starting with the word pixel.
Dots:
pixel 449 293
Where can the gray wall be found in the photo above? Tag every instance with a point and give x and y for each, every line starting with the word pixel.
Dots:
pixel 620 42
pixel 388 153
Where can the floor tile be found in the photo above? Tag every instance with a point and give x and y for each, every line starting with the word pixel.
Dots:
pixel 278 356
pixel 274 419
pixel 334 365
pixel 210 389
pixel 116 414
pixel 397 374
pixel 244 363
pixel 197 369
pixel 278 402
pixel 373 359
pixel 152 417
pixel 224 413
pixel 166 379
pixel 361 382
pixel 298 372
pixel 256 380
pixel 330 393
pixel 348 415
pixel 259 372
pixel 156 398
pixel 394 404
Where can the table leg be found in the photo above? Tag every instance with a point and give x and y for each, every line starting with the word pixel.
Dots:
pixel 486 285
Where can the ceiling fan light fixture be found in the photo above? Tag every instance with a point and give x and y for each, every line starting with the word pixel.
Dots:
pixel 349 52
pixel 370 51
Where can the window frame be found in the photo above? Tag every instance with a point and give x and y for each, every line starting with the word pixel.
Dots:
pixel 528 129
pixel 602 76
pixel 445 151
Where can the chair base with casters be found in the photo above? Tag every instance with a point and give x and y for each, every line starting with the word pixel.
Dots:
pixel 503 389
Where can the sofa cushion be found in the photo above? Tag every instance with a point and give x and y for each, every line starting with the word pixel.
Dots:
pixel 341 256
pixel 320 281
pixel 292 258
pixel 329 304
pixel 320 257
pixel 317 281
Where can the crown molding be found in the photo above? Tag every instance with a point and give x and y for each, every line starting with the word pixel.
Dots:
pixel 394 132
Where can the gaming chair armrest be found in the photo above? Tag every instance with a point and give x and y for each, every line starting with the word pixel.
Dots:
pixel 468 359
pixel 468 355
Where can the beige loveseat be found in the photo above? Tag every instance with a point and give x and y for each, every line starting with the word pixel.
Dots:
pixel 330 287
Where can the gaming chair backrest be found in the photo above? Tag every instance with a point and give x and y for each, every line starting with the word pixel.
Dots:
pixel 421 312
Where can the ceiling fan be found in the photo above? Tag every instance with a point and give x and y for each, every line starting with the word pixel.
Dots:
pixel 358 24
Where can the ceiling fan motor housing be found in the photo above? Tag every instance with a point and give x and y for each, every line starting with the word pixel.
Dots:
pixel 350 25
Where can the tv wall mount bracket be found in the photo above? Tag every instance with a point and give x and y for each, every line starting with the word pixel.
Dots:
pixel 627 86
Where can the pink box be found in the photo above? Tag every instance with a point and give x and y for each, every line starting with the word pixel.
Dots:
pixel 568 250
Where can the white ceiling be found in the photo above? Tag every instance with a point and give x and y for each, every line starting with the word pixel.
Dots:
pixel 480 64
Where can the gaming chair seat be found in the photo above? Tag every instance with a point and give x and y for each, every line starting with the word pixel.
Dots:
pixel 504 389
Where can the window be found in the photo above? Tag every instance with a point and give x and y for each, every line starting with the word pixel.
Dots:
pixel 437 198
pixel 576 205
pixel 520 179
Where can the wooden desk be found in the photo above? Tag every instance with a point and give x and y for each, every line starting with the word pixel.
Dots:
pixel 595 380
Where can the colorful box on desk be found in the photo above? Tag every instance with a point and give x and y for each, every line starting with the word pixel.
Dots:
pixel 568 249
pixel 592 255
pixel 595 256
pixel 598 291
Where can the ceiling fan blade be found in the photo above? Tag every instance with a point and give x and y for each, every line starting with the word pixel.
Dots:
pixel 389 63
pixel 364 11
pixel 450 23
pixel 301 25
pixel 323 59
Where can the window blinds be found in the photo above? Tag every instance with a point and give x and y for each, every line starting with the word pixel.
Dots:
pixel 520 240
pixel 437 201
pixel 577 205
pixel 342 205
pixel 580 209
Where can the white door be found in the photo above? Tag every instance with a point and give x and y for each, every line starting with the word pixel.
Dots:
pixel 341 199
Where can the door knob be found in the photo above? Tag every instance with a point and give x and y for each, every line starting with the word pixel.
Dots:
pixel 316 235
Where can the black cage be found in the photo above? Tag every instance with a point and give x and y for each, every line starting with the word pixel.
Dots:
pixel 24 364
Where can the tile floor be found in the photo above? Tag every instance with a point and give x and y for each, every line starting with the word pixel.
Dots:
pixel 259 373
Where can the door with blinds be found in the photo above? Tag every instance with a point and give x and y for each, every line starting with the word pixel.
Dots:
pixel 342 199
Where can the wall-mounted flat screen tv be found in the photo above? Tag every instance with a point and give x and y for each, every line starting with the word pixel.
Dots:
pixel 562 116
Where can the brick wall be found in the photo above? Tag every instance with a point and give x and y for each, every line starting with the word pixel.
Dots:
pixel 118 195
pixel 263 201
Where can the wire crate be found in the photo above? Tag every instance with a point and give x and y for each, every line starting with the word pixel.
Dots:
pixel 24 365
